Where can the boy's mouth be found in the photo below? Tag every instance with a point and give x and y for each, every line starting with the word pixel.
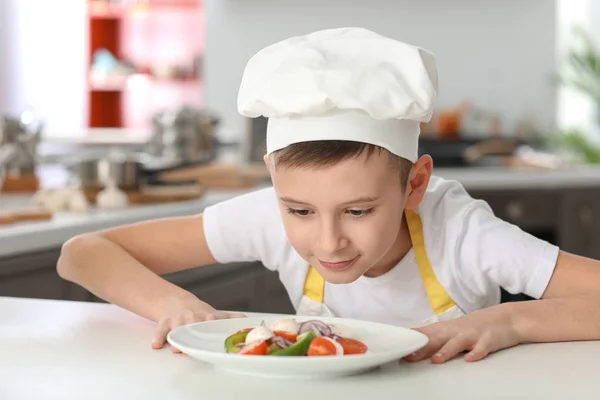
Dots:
pixel 338 265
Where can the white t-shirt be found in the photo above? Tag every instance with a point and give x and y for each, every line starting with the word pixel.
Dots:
pixel 472 252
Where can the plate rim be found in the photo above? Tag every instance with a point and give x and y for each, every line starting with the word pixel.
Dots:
pixel 366 357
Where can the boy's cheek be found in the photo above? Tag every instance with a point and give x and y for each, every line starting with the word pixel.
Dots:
pixel 299 237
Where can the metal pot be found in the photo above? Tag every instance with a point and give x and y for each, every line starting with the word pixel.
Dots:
pixel 124 170
pixel 184 136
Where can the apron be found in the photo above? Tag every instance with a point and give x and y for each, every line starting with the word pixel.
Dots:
pixel 444 308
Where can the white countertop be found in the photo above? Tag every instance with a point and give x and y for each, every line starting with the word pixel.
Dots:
pixel 24 238
pixel 70 350
pixel 497 178
pixel 30 236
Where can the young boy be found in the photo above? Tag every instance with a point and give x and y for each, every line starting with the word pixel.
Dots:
pixel 354 224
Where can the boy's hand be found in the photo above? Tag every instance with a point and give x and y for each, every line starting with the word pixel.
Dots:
pixel 480 333
pixel 183 312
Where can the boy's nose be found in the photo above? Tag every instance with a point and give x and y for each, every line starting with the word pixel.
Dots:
pixel 331 239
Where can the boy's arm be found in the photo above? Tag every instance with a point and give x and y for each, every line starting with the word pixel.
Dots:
pixel 573 275
pixel 492 253
pixel 570 311
pixel 122 265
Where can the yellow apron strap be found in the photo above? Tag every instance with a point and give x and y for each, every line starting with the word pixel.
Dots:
pixel 314 285
pixel 439 299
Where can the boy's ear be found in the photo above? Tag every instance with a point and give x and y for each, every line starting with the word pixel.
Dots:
pixel 266 158
pixel 418 180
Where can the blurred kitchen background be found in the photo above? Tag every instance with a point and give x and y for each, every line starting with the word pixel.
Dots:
pixel 114 112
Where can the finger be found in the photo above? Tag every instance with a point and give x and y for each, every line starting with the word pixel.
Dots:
pixel 175 350
pixel 237 315
pixel 437 337
pixel 482 348
pixel 430 349
pixel 428 330
pixel 211 317
pixel 160 335
pixel 452 348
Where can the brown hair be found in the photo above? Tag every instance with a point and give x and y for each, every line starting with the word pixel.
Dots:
pixel 325 153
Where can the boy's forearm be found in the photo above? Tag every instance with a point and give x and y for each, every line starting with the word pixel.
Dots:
pixel 109 272
pixel 557 320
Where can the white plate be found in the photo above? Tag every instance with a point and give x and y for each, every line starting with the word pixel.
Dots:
pixel 205 341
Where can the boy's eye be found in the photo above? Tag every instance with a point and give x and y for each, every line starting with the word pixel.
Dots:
pixel 300 212
pixel 360 213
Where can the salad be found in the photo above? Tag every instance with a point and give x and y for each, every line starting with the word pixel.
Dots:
pixel 287 337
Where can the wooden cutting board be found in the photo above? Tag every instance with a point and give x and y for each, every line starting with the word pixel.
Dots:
pixel 24 215
pixel 19 184
pixel 219 175
pixel 154 194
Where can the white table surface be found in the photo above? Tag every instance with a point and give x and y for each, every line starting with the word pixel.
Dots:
pixel 70 350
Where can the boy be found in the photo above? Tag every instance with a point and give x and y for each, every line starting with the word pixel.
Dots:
pixel 354 224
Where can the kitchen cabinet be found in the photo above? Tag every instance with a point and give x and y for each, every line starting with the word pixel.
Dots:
pixel 528 209
pixel 579 222
pixel 569 219
pixel 34 275
pixel 236 286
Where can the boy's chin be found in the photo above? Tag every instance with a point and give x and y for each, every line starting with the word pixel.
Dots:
pixel 340 277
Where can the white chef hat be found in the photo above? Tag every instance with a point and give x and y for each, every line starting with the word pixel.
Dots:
pixel 341 84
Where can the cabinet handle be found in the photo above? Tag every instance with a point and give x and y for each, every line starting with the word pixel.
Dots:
pixel 514 210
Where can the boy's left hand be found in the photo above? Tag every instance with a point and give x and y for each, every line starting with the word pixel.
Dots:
pixel 480 333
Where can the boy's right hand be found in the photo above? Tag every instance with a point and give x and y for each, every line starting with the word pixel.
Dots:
pixel 185 312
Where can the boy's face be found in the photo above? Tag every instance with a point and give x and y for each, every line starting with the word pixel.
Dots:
pixel 345 219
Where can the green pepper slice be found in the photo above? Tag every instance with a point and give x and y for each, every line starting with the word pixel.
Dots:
pixel 273 348
pixel 233 340
pixel 299 348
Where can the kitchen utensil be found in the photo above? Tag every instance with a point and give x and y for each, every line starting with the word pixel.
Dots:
pixel 24 135
pixel 186 135
pixel 204 341
pixel 19 138
pixel 8 152
pixel 125 170
pixel 255 143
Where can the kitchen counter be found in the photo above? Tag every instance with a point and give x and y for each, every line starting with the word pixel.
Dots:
pixel 23 238
pixel 70 350
pixel 31 236
pixel 497 178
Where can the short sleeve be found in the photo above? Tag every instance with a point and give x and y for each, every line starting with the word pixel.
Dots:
pixel 246 228
pixel 491 252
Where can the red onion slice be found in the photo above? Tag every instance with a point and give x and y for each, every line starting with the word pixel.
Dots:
pixel 281 342
pixel 320 328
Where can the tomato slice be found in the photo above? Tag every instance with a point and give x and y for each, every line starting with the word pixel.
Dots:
pixel 321 347
pixel 258 348
pixel 289 336
pixel 352 346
